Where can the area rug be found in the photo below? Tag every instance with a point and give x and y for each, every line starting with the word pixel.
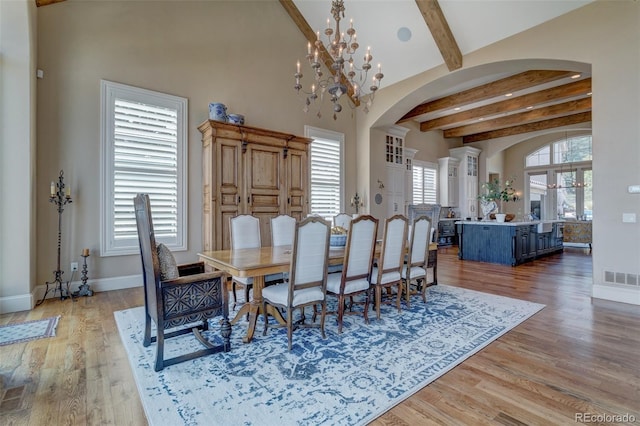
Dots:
pixel 347 379
pixel 28 330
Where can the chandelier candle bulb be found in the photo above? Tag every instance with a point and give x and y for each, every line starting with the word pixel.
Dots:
pixel 53 189
pixel 85 252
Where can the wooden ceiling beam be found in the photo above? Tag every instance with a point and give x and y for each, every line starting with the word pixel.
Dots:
pixel 46 2
pixel 442 35
pixel 578 88
pixel 521 81
pixel 310 35
pixel 566 108
pixel 582 117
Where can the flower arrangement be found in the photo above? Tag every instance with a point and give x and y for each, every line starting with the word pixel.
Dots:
pixel 495 191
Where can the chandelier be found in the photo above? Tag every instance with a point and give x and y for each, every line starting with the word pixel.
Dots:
pixel 571 182
pixel 347 77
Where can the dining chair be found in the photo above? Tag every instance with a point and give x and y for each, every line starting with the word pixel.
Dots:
pixel 283 227
pixel 355 278
pixel 432 211
pixel 342 220
pixel 387 272
pixel 307 283
pixel 415 272
pixel 178 299
pixel 245 233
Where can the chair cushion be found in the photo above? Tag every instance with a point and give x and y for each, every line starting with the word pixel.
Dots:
pixel 387 277
pixel 333 284
pixel 267 279
pixel 416 272
pixel 279 293
pixel 243 280
pixel 168 265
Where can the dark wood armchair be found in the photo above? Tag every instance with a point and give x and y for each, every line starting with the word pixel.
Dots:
pixel 185 301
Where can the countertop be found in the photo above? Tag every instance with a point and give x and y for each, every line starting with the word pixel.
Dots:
pixel 512 223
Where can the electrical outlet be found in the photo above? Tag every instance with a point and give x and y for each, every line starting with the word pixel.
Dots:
pixel 74 266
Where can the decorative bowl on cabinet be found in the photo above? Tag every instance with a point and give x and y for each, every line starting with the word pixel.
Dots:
pixel 235 119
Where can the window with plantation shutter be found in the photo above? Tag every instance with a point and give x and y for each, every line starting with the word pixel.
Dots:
pixel 144 151
pixel 326 153
pixel 425 182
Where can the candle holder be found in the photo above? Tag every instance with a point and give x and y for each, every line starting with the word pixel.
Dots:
pixel 355 202
pixel 60 196
pixel 84 289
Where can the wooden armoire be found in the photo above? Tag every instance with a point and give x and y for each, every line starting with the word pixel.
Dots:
pixel 248 170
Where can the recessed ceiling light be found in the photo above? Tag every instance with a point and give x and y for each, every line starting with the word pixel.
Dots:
pixel 509 94
pixel 575 76
pixel 404 34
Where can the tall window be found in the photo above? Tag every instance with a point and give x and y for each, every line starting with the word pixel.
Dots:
pixel 327 153
pixel 560 179
pixel 425 182
pixel 144 150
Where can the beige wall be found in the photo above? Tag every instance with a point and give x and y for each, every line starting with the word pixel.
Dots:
pixel 17 153
pixel 240 53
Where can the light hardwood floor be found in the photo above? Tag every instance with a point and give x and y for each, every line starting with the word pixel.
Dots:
pixel 577 355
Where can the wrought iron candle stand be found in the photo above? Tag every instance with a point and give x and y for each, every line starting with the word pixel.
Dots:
pixel 84 289
pixel 60 197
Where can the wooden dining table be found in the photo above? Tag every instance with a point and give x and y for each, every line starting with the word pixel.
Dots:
pixel 257 263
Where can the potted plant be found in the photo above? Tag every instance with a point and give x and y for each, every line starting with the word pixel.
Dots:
pixel 495 193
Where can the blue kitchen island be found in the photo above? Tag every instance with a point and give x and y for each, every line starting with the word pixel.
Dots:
pixel 508 243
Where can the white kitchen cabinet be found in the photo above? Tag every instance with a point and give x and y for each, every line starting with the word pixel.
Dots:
pixel 467 179
pixel 448 181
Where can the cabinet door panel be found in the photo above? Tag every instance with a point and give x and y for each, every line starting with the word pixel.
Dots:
pixel 298 183
pixel 228 188
pixel 265 186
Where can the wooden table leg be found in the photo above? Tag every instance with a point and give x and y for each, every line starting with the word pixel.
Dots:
pixel 254 309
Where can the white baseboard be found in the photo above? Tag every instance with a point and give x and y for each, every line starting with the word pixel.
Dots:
pixel 27 302
pixel 616 293
pixel 22 302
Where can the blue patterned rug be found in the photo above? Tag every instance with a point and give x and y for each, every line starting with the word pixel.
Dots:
pixel 28 330
pixel 347 379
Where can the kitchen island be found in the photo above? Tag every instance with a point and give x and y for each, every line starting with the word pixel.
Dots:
pixel 508 243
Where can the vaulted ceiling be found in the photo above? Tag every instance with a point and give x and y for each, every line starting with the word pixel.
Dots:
pixel 411 36
pixel 442 32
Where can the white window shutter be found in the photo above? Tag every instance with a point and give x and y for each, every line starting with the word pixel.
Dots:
pixel 144 151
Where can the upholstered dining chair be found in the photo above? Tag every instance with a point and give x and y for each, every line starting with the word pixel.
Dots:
pixel 307 283
pixel 387 273
pixel 415 273
pixel 245 233
pixel 355 278
pixel 342 220
pixel 432 211
pixel 283 227
pixel 182 297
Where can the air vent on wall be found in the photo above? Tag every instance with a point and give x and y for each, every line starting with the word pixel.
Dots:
pixel 621 278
